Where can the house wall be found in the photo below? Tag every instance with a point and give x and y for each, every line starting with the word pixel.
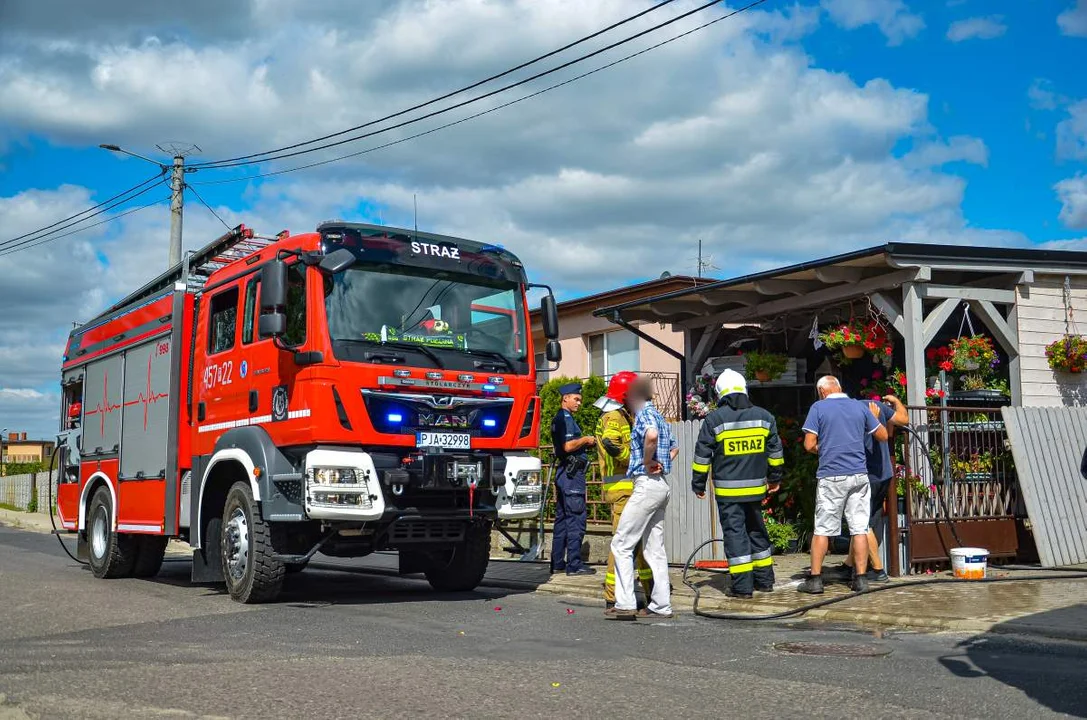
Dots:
pixel 575 326
pixel 1041 320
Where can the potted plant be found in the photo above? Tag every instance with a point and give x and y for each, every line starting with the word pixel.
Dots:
pixel 1068 354
pixel 765 367
pixel 856 337
pixel 783 536
pixel 700 397
pixel 973 354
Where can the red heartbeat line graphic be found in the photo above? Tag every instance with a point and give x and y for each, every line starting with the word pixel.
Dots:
pixel 150 398
pixel 105 407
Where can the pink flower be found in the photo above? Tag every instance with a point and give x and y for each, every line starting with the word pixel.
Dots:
pixel 876 375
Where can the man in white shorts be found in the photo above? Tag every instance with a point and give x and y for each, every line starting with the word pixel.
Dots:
pixel 835 430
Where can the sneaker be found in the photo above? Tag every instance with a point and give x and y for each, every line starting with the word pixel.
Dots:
pixel 813 585
pixel 582 571
pixel 860 583
pixel 617 614
pixel 647 613
pixel 557 570
pixel 879 576
pixel 838 573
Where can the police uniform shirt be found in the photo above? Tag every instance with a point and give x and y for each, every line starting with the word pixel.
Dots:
pixel 564 429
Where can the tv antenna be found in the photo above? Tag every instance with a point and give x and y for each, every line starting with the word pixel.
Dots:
pixel 704 261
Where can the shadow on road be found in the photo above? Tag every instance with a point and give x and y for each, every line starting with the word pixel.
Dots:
pixel 1006 659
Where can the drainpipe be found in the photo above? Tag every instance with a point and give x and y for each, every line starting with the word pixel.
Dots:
pixel 617 319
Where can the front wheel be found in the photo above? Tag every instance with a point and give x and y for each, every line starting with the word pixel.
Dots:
pixel 252 573
pixel 462 568
pixel 112 555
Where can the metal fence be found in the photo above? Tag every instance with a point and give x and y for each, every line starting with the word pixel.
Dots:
pixel 667 393
pixel 16 491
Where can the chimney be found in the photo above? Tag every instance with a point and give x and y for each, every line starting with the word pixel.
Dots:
pixel 13 437
pixel 24 437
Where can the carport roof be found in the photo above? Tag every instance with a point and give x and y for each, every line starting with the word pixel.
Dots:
pixel 838 279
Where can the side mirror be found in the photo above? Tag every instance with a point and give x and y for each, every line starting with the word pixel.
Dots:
pixel 337 261
pixel 273 286
pixel 549 313
pixel 272 325
pixel 553 351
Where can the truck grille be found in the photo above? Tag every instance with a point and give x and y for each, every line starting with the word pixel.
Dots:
pixel 413 531
pixel 290 489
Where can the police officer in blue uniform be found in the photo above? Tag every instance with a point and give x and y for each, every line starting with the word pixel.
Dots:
pixel 572 459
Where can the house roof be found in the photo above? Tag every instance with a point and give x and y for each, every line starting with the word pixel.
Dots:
pixel 839 278
pixel 635 292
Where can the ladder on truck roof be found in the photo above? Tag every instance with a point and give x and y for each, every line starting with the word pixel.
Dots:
pixel 197 268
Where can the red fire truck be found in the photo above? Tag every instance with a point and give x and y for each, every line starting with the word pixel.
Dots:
pixel 354 389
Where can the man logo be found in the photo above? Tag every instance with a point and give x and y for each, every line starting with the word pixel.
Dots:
pixel 439 420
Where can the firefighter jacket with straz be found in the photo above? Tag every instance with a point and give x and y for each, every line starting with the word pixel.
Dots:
pixel 740 443
pixel 613 449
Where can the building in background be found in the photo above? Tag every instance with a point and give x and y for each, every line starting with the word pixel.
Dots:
pixel 17 449
pixel 594 346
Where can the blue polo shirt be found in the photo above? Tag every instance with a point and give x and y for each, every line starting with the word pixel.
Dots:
pixel 878 453
pixel 842 425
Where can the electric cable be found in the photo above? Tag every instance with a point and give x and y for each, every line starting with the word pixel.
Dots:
pixel 110 219
pixel 279 156
pixel 11 245
pixel 84 212
pixel 52 520
pixel 504 105
pixel 449 94
pixel 209 208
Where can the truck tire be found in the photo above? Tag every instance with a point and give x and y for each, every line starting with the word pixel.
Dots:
pixel 462 569
pixel 252 573
pixel 150 550
pixel 111 554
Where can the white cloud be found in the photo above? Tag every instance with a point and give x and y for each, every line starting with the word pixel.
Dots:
pixel 957 149
pixel 977 28
pixel 1073 21
pixel 892 17
pixel 1042 96
pixel 1072 193
pixel 1072 133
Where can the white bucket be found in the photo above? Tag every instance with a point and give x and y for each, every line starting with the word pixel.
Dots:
pixel 969 563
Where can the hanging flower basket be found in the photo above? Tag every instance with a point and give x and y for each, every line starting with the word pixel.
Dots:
pixel 974 354
pixel 857 337
pixel 765 367
pixel 1068 354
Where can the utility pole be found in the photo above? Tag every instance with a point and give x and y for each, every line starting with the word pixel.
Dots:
pixel 177 208
pixel 177 188
pixel 700 258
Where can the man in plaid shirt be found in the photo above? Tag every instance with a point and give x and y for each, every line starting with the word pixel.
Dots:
pixel 652 450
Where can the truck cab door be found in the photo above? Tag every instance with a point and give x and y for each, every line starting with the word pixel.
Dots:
pixel 220 395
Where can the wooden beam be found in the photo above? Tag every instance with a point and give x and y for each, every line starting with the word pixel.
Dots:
pixel 939 292
pixel 1007 336
pixel 915 344
pixel 720 297
pixel 785 287
pixel 839 274
pixel 1015 367
pixel 703 349
pixel 825 296
pixel 936 320
pixel 890 308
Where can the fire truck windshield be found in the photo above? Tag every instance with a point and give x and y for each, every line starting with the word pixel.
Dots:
pixel 472 322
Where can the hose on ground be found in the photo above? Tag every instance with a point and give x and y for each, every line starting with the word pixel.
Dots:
pixel 52 520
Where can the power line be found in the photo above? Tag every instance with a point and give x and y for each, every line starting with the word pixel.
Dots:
pixel 78 214
pixel 212 211
pixel 110 219
pixel 447 95
pixel 491 93
pixel 9 245
pixel 607 66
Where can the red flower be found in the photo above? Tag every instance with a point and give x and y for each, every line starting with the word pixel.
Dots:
pixel 930 354
pixel 888 351
pixel 946 366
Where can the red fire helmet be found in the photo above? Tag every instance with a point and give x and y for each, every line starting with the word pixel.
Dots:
pixel 620 384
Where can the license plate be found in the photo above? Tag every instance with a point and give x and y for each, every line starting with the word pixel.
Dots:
pixel 448 441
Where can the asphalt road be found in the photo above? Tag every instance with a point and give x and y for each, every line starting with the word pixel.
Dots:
pixel 353 645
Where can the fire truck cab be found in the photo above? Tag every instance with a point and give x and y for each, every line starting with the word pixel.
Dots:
pixel 354 389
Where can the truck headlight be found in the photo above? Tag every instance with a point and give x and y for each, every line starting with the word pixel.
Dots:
pixel 527 489
pixel 338 487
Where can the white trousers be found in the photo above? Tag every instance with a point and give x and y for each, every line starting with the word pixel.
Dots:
pixel 643 521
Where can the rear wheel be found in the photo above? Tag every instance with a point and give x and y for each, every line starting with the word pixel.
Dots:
pixel 111 555
pixel 462 568
pixel 252 573
pixel 150 551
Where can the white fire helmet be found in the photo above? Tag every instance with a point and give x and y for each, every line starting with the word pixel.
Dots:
pixel 730 382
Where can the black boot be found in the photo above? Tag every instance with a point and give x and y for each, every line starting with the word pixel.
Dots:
pixel 813 585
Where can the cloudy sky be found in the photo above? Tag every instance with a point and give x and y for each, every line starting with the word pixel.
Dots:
pixel 782 134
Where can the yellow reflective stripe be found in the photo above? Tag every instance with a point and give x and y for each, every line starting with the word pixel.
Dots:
pixel 741 568
pixel 765 562
pixel 739 492
pixel 742 433
pixel 700 468
pixel 646 574
pixel 609 579
pixel 774 462
pixel 618 485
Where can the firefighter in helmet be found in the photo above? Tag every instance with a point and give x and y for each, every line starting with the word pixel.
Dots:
pixel 613 453
pixel 739 442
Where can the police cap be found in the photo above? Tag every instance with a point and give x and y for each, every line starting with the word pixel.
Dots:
pixel 573 388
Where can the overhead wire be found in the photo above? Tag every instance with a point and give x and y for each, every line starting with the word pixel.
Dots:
pixel 549 88
pixel 448 95
pixel 209 207
pixel 39 232
pixel 569 63
pixel 10 247
pixel 111 218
